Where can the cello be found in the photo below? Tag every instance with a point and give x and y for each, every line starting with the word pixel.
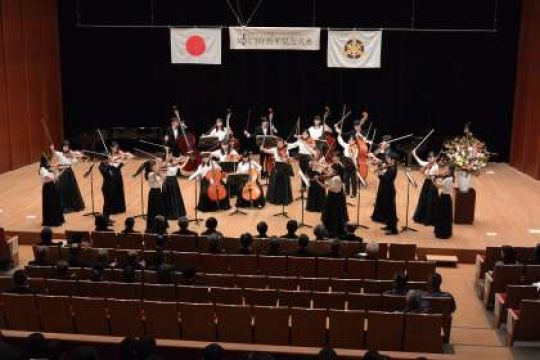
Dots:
pixel 251 190
pixel 187 143
pixel 216 190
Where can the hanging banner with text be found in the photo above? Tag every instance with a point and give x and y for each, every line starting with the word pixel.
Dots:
pixel 275 38
pixel 354 49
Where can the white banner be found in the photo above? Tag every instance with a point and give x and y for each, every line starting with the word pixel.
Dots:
pixel 275 38
pixel 354 49
pixel 196 46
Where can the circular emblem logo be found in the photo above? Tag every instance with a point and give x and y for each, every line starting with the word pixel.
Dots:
pixel 354 49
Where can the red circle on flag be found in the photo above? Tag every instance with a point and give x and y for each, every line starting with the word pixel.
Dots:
pixel 195 45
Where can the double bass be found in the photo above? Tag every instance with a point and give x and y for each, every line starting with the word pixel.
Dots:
pixel 362 156
pixel 329 139
pixel 270 161
pixel 187 143
pixel 233 141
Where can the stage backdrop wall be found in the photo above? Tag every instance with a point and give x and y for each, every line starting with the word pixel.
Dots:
pixel 123 76
pixel 29 80
pixel 526 136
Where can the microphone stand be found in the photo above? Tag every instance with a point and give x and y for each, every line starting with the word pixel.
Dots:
pixel 358 190
pixel 90 173
pixel 302 199
pixel 410 182
pixel 196 219
pixel 140 171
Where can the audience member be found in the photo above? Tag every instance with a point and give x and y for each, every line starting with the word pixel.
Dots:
pixel 303 243
pixel 262 230
pixel 160 225
pixel 211 227
pixel 158 258
pixel 292 227
pixel 335 248
pixel 128 274
pixel 74 256
pixel 102 258
pixel 327 354
pixel 274 247
pixel 415 303
pixel 400 285
pixel 350 233
pixel 36 346
pixel 374 355
pixel 96 274
pixel 246 244
pixel 507 256
pixel 189 275
pixel 41 257
pixel 20 282
pixel 132 259
pixel 5 254
pixel 435 291
pixel 183 225
pixel 102 223
pixel 215 243
pixel 371 251
pixel 84 353
pixel 46 237
pixel 165 274
pixel 320 232
pixel 129 226
pixel 213 352
pixel 62 270
pixel 537 254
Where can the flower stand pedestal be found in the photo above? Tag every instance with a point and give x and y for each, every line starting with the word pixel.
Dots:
pixel 464 206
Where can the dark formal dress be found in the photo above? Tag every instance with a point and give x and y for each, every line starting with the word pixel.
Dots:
pixel 155 200
pixel 444 210
pixel 173 202
pixel 52 208
pixel 205 204
pixel 334 214
pixel 316 194
pixel 385 202
pixel 114 201
pixel 67 182
pixel 425 209
pixel 279 189
pixel 246 168
pixel 172 141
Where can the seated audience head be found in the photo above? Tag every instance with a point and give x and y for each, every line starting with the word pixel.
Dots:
pixel 160 225
pixel 335 247
pixel 129 224
pixel 183 223
pixel 46 236
pixel 374 355
pixel 246 241
pixel 262 229
pixel 213 352
pixel 102 223
pixel 320 232
pixel 372 251
pixel 36 346
pixel 20 278
pixel 508 255
pixel 189 274
pixel 292 227
pixel 303 241
pixel 102 257
pixel 62 269
pixel 96 273
pixel 327 354
pixel 435 282
pixel 41 255
pixel 413 301
pixel 128 274
pixel 214 243
pixel 275 245
pixel 211 223
pixel 400 283
pixel 165 274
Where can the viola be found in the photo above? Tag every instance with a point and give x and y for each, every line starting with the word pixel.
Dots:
pixel 216 190
pixel 251 190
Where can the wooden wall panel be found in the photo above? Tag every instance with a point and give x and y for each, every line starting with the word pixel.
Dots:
pixel 30 86
pixel 525 153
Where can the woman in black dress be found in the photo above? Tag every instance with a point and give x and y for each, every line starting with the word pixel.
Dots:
pixel 334 214
pixel 173 202
pixel 154 176
pixel 443 206
pixel 52 208
pixel 385 202
pixel 279 189
pixel 316 193
pixel 114 201
pixel 248 166
pixel 425 209
pixel 206 167
pixel 67 182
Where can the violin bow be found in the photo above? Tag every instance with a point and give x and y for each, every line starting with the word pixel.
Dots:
pixel 46 130
pixel 293 129
pixel 424 139
pixel 146 153
pixel 248 120
pixel 153 144
pixel 103 141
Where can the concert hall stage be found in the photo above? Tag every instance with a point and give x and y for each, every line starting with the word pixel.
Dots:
pixel 507 210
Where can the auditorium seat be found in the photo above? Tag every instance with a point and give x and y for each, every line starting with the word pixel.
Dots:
pixel 377 286
pixel 308 327
pixel 402 252
pixel 220 280
pixel 524 324
pixel 384 331
pixel 6 283
pixel 151 242
pixel 20 311
pixel 198 322
pixel 420 270
pixel 347 285
pixel 96 289
pixel 273 265
pixel 497 281
pixel 393 302
pixel 104 239
pixel 45 272
pixel 442 305
pixel 130 241
pixel 214 263
pixel 221 295
pixel 183 243
pixel 55 313
pixel 251 281
pixel 150 276
pixel 531 274
pixel 349 249
pixel 261 297
pixel 295 298
pixel 422 333
pixel 319 247
pixel 37 284
pixel 346 329
pixel 183 260
pixel 51 256
pixel 84 235
pixel 361 269
pixel 90 315
pixel 161 319
pixel 62 287
pixel 243 264
pixel 159 292
pixel 314 284
pixel 120 290
pixel 192 294
pixel 231 244
pixel 282 283
pixel 486 262
pixel 326 300
pixel 234 323
pixel 271 325
pixel 368 302
pixel 510 299
pixel 387 269
pixel 330 267
pixel 125 317
pixel 301 266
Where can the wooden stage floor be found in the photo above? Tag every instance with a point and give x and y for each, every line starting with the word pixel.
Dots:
pixel 508 209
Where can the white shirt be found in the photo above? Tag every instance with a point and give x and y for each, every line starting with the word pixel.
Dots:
pixel 155 181
pixel 244 167
pixel 430 171
pixel 202 170
pixel 316 133
pixel 447 185
pixel 175 133
pixel 303 148
pixel 46 175
pixel 274 151
pixel 220 134
pixel 335 184
pixel 172 170
pixel 351 154
pixel 64 160
pixel 218 154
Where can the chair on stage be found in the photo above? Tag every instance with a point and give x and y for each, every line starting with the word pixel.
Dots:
pixel 273 265
pixel 308 327
pixel 159 292
pixel 346 329
pixel 125 317
pixel 367 302
pixel 104 239
pixel 387 269
pixel 261 297
pixel 361 269
pixel 198 322
pixel 330 267
pixel 192 294
pixel 55 313
pixel 90 315
pixel 226 295
pixel 402 252
pixel 183 243
pixel 420 270
pixel 384 331
pixel 243 264
pixel 234 323
pixel 301 266
pixel 326 300
pixel 20 311
pixel 422 333
pixel 161 319
pixel 271 325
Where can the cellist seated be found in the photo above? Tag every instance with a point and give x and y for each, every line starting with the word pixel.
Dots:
pixel 213 192
pixel 250 193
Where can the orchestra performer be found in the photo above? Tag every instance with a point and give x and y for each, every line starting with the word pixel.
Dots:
pixel 172 133
pixel 317 130
pixel 265 129
pixel 220 131
pixel 67 182
pixel 357 130
pixel 225 153
pixel 279 189
pixel 425 209
pixel 316 192
pixel 114 201
pixel 385 202
pixel 334 214
pixel 204 174
pixel 306 148
pixel 443 205
pixel 173 202
pixel 250 167
pixel 153 173
pixel 350 155
pixel 52 208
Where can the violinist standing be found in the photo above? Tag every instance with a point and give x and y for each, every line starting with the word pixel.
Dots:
pixel 306 149
pixel 334 214
pixel 52 209
pixel 154 175
pixel 425 209
pixel 279 189
pixel 385 202
pixel 67 182
pixel 114 201
pixel 173 201
pixel 265 129
pixel 316 193
pixel 204 173
pixel 350 155
pixel 248 166
pixel 317 131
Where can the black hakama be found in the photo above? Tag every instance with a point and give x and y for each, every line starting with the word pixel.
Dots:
pixel 114 201
pixel 207 205
pixel 334 213
pixel 155 207
pixel 51 206
pixel 241 202
pixel 71 194
pixel 173 202
pixel 316 195
pixel 443 217
pixel 425 209
pixel 385 202
pixel 279 188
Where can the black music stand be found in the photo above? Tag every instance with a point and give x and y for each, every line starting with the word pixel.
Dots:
pixel 410 182
pixel 90 173
pixel 288 170
pixel 208 143
pixel 140 174
pixel 234 181
pixel 302 224
pixel 359 184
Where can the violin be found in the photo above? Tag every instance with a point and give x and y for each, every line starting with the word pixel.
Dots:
pixel 251 190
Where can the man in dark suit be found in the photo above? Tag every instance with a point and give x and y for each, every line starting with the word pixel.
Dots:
pixel 265 129
pixel 172 133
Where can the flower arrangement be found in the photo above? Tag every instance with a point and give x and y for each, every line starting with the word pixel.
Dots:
pixel 467 153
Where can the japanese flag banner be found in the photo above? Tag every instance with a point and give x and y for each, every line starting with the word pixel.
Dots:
pixel 196 46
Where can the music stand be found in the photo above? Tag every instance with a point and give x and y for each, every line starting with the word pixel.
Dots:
pixel 287 170
pixel 410 182
pixel 90 173
pixel 207 143
pixel 196 219
pixel 302 202
pixel 140 174
pixel 359 183
pixel 235 180
pixel 268 140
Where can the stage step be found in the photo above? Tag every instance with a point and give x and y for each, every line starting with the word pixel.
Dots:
pixel 443 260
